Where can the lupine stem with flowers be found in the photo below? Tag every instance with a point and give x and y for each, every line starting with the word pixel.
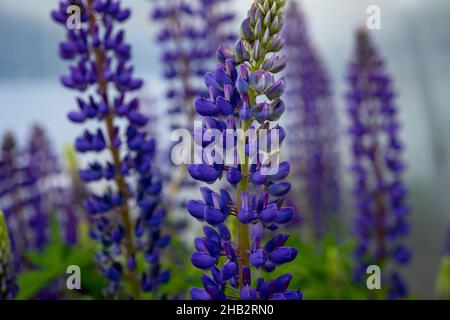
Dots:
pixel 110 129
pixel 44 195
pixel 243 91
pixel 313 124
pixel 29 194
pixel 377 166
pixel 10 186
pixel 101 64
pixel 190 33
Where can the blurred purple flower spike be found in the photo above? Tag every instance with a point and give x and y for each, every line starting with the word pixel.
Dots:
pixel 379 192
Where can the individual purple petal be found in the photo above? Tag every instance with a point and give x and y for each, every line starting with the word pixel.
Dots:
pixel 258 258
pixel 282 255
pixel 234 176
pixel 213 216
pixel 269 214
pixel 196 209
pixel 205 107
pixel 224 107
pixel 229 270
pixel 203 260
pixel 199 294
pixel 203 172
pixel 279 189
pixel 284 215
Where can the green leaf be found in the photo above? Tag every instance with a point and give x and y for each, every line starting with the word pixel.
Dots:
pixel 52 263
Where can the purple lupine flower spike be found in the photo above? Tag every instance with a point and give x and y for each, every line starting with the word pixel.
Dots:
pixel 377 165
pixel 8 286
pixel 314 126
pixel 102 74
pixel 245 94
pixel 190 32
pixel 10 186
pixel 181 57
pixel 30 192
pixel 216 14
pixel 41 167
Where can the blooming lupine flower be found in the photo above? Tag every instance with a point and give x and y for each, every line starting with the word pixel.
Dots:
pixel 313 139
pixel 190 33
pixel 30 193
pixel 244 94
pixel 101 71
pixel 181 57
pixel 377 166
pixel 45 193
pixel 10 186
pixel 8 286
pixel 215 15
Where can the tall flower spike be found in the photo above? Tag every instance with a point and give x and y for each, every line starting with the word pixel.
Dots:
pixel 377 166
pixel 313 125
pixel 189 34
pixel 216 14
pixel 8 286
pixel 43 191
pixel 243 87
pixel 10 186
pixel 30 192
pixel 100 69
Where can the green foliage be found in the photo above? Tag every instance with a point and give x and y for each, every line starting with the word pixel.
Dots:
pixel 183 275
pixel 443 280
pixel 323 270
pixel 51 264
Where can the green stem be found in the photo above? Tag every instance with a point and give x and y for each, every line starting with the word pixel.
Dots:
pixel 241 228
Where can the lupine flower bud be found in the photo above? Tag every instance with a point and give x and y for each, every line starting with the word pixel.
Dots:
pixel 242 85
pixel 276 44
pixel 246 113
pixel 246 30
pixel 275 90
pixel 260 80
